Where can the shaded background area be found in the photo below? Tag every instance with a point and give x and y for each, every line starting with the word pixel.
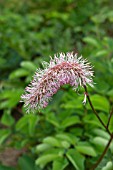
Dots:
pixel 66 135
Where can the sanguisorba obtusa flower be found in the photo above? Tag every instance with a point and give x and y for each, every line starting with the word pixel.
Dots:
pixel 63 68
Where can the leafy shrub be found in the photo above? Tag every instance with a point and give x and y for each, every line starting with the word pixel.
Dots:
pixel 66 135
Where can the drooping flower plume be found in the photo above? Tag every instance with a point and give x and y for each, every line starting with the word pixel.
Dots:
pixel 64 68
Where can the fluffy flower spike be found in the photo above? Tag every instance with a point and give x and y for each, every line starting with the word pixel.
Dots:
pixel 64 68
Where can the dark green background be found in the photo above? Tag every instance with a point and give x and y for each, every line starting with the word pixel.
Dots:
pixel 66 135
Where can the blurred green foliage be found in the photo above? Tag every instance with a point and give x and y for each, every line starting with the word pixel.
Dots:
pixel 66 135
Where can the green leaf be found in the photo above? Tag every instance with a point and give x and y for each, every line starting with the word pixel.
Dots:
pixel 10 98
pixel 101 133
pixel 32 121
pixel 100 103
pixel 42 147
pixel 99 18
pixel 73 104
pixel 110 93
pixel 18 73
pixel 109 166
pixel 70 121
pixel 44 159
pixel 4 134
pixel 27 124
pixel 103 87
pixel 102 53
pixel 99 143
pixel 22 123
pixel 56 142
pixel 110 15
pixel 52 118
pixel 30 66
pixel 25 162
pixel 7 119
pixel 91 120
pixel 65 144
pixel 67 137
pixel 87 150
pixel 76 159
pixel 111 124
pixel 60 164
pixel 52 141
pixel 91 41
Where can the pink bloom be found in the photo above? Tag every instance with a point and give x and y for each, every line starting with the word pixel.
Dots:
pixel 62 69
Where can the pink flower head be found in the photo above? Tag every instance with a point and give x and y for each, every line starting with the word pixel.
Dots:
pixel 62 69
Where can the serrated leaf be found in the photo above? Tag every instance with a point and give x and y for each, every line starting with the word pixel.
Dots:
pixel 76 159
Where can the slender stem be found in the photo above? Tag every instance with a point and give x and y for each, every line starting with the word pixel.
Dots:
pixel 105 126
pixel 111 113
pixel 104 152
pixel 86 92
